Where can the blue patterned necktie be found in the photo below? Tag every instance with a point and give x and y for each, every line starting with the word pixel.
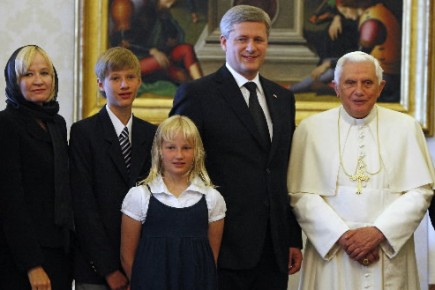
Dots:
pixel 124 141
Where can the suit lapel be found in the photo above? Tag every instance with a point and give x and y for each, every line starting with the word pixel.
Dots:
pixel 138 155
pixel 112 142
pixel 272 99
pixel 230 91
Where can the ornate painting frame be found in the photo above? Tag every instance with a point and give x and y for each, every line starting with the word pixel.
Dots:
pixel 418 64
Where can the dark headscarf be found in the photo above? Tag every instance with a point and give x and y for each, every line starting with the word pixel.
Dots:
pixel 15 98
pixel 46 113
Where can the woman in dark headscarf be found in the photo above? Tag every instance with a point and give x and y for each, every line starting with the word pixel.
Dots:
pixel 35 209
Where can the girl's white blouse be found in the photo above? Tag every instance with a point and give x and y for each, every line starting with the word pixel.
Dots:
pixel 135 204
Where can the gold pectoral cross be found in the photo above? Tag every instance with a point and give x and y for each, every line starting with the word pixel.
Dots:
pixel 359 176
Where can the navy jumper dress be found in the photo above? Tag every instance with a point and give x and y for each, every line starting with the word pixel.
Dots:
pixel 174 252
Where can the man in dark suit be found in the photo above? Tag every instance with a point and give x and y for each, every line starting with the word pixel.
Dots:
pixel 104 168
pixel 261 242
pixel 432 212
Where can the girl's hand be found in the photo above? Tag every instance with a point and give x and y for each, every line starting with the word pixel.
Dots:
pixel 38 279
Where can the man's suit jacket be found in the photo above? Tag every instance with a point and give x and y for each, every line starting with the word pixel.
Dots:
pixel 99 181
pixel 432 212
pixel 251 178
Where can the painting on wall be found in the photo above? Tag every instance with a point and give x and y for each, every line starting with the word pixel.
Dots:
pixel 335 27
pixel 269 6
pixel 162 34
pixel 105 23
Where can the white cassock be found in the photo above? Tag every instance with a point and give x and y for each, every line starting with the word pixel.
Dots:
pixel 394 199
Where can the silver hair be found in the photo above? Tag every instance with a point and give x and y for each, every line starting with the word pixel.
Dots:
pixel 357 56
pixel 243 13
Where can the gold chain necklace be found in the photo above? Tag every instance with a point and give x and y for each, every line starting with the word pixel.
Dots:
pixel 361 172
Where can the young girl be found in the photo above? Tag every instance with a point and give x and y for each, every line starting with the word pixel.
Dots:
pixel 172 223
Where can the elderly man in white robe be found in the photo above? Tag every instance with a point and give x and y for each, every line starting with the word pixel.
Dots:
pixel 360 179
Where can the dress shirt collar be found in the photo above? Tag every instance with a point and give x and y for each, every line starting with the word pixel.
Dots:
pixel 158 186
pixel 117 124
pixel 241 80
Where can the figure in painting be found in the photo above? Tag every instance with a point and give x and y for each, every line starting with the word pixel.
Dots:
pixel 154 35
pixel 329 35
pixel 379 34
pixel 193 7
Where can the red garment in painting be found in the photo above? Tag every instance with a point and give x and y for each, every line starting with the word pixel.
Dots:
pixel 388 52
pixel 181 54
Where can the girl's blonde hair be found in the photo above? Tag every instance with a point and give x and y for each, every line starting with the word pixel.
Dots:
pixel 167 131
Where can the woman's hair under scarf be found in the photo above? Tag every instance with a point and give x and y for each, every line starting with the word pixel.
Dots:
pixel 15 98
pixel 47 112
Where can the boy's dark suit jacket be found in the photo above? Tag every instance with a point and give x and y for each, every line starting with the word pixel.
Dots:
pixel 251 179
pixel 99 182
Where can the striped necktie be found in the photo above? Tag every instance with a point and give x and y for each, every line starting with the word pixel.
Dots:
pixel 124 141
